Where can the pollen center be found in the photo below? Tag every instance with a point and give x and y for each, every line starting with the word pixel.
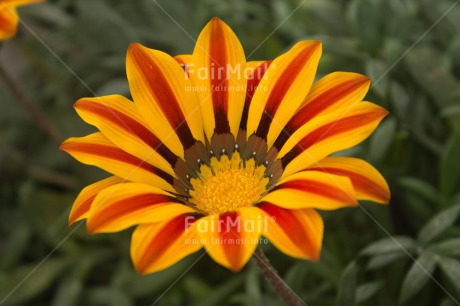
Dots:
pixel 228 184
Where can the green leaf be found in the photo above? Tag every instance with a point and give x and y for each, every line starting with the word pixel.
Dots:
pixel 396 244
pixel 400 100
pixel 347 286
pixel 365 16
pixel 382 139
pixel 253 286
pixel 69 291
pixel 450 167
pixel 421 188
pixel 438 224
pixel 418 275
pixel 366 291
pixel 451 269
pixel 379 261
pixel 221 293
pixel 34 279
pixel 450 247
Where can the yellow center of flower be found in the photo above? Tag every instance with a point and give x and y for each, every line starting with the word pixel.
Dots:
pixel 228 184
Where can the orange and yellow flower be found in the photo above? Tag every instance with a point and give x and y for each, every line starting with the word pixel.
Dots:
pixel 215 152
pixel 9 16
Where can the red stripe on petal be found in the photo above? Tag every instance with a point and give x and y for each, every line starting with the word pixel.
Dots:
pixel 115 154
pixel 82 209
pixel 281 88
pixel 230 236
pixel 126 206
pixel 160 89
pixel 317 105
pixel 319 188
pixel 331 129
pixel 288 223
pixel 130 125
pixel 163 240
pixel 360 182
pixel 253 81
pixel 218 77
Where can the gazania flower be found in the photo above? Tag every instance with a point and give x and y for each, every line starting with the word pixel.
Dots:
pixel 9 16
pixel 226 151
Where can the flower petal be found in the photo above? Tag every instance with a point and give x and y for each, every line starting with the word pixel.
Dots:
pixel 121 206
pixel 95 149
pixel 329 133
pixel 288 81
pixel 163 93
pixel 335 90
pixel 85 199
pixel 367 181
pixel 312 189
pixel 218 73
pixel 184 60
pixel 17 3
pixel 230 239
pixel 157 246
pixel 255 73
pixel 119 120
pixel 297 232
pixel 8 21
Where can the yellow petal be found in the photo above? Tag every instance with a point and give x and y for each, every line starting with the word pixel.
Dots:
pixel 297 232
pixel 367 181
pixel 121 206
pixel 218 74
pixel 230 239
pixel 119 120
pixel 95 149
pixel 312 189
pixel 157 246
pixel 8 21
pixel 287 82
pixel 184 61
pixel 255 71
pixel 16 3
pixel 165 97
pixel 85 199
pixel 334 91
pixel 329 133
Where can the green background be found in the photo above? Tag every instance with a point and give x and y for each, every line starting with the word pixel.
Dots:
pixel 405 253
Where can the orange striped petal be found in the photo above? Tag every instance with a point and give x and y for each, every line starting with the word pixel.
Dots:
pixel 121 206
pixel 367 181
pixel 165 97
pixel 230 239
pixel 255 72
pixel 119 120
pixel 17 3
pixel 312 189
pixel 8 21
pixel 95 149
pixel 288 81
pixel 297 233
pixel 184 61
pixel 218 73
pixel 157 246
pixel 329 133
pixel 85 199
pixel 334 91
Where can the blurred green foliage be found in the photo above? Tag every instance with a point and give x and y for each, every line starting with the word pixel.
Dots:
pixel 406 253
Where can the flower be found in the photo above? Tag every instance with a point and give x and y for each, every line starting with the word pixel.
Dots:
pixel 225 152
pixel 9 16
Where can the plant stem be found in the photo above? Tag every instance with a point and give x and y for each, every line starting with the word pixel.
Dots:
pixel 272 276
pixel 30 108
